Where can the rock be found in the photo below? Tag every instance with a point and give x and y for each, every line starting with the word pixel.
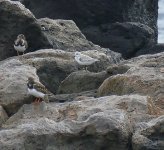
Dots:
pixel 117 69
pixel 61 34
pixel 16 19
pixel 3 116
pixel 97 25
pixel 81 81
pixel 65 35
pixel 72 97
pixel 96 13
pixel 13 88
pixel 53 66
pixel 126 38
pixel 150 136
pixel 104 119
pixel 144 77
pixel 158 48
pixel 49 66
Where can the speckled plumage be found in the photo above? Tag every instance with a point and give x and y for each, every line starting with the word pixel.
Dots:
pixel 37 90
pixel 20 44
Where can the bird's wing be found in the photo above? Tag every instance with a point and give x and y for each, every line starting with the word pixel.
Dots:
pixel 41 88
pixel 85 58
pixel 16 42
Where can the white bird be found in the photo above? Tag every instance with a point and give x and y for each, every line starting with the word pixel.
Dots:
pixel 84 60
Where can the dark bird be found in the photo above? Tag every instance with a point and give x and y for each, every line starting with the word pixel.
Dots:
pixel 20 44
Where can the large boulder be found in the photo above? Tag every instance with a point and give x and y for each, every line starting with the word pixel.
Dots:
pixel 65 35
pixel 158 48
pixel 41 33
pixel 13 85
pixel 76 125
pixel 126 38
pixel 3 115
pixel 90 15
pixel 49 66
pixel 150 135
pixel 16 19
pixel 81 81
pixel 145 77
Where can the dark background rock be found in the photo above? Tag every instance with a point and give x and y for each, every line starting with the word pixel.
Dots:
pixel 16 19
pixel 95 13
pixel 151 50
pixel 126 38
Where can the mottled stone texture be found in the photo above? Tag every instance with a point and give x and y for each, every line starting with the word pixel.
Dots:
pixel 97 13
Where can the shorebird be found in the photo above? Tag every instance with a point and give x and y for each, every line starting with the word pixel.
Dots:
pixel 20 44
pixel 37 90
pixel 84 60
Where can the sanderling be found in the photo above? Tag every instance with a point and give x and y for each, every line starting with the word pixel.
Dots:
pixel 84 60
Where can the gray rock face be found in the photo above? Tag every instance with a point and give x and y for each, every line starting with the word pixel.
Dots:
pixel 116 105
pixel 50 66
pixel 91 15
pixel 16 19
pixel 82 81
pixel 3 115
pixel 145 77
pixel 150 137
pixel 126 38
pixel 41 33
pixel 13 91
pixel 65 35
pixel 158 48
pixel 75 125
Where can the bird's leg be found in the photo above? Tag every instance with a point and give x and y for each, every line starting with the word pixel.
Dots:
pixel 39 100
pixel 35 101
pixel 22 55
pixel 17 53
pixel 86 68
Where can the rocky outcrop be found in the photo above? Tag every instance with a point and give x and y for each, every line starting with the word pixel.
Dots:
pixel 158 48
pixel 105 119
pixel 82 81
pixel 144 77
pixel 16 19
pixel 65 35
pixel 93 16
pixel 49 66
pixel 41 33
pixel 116 104
pixel 126 38
pixel 13 91
pixel 3 115
pixel 150 136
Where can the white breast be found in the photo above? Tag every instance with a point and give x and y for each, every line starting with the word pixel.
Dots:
pixel 20 48
pixel 36 93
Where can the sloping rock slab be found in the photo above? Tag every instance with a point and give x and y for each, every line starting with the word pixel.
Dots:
pixel 13 80
pixel 145 77
pixel 82 81
pixel 74 125
pixel 3 115
pixel 150 136
pixel 16 19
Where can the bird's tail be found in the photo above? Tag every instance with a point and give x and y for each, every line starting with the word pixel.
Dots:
pixel 97 60
pixel 46 99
